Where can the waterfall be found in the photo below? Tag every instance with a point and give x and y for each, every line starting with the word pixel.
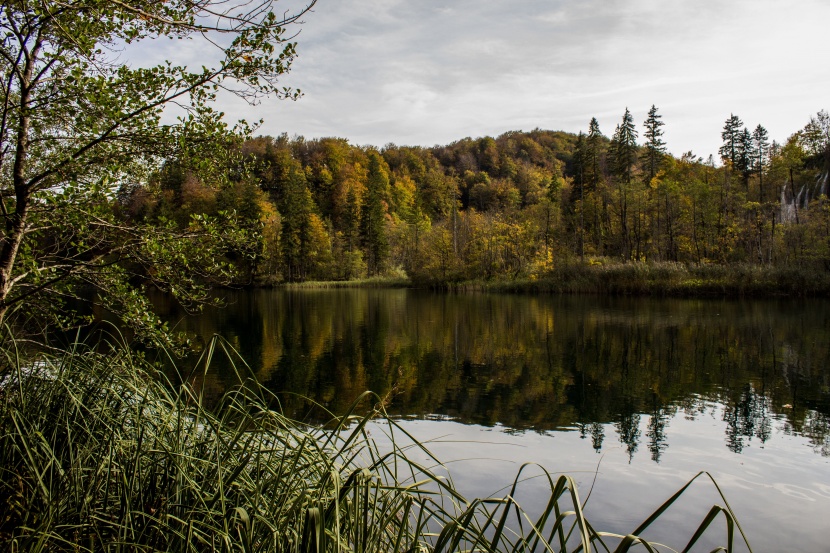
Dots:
pixel 787 208
pixel 789 204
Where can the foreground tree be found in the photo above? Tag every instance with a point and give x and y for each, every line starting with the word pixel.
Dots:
pixel 78 124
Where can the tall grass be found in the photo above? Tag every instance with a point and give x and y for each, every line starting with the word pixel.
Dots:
pixel 667 279
pixel 103 453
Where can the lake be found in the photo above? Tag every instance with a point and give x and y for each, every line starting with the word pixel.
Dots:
pixel 631 396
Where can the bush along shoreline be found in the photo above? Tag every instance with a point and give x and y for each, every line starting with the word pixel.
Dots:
pixel 611 278
pixel 667 279
pixel 101 452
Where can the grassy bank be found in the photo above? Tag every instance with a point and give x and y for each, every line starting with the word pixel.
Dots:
pixel 665 279
pixel 101 453
pixel 370 282
pixel 606 277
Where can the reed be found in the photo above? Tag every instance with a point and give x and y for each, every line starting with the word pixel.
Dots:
pixel 101 452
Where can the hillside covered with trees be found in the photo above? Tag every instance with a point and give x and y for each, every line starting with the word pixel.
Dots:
pixel 513 207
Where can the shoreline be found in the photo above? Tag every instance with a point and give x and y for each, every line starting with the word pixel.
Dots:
pixel 621 279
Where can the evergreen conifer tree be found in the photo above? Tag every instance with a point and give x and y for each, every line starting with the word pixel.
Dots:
pixel 624 148
pixel 623 156
pixel 614 152
pixel 731 138
pixel 745 155
pixel 760 139
pixel 592 157
pixel 655 148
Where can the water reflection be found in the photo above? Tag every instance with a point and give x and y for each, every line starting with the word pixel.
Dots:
pixel 748 418
pixel 539 363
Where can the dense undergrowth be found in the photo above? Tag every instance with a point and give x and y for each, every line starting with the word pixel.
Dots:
pixel 100 452
pixel 605 277
pixel 602 276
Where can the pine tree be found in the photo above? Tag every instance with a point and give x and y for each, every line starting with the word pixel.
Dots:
pixel 655 148
pixel 614 152
pixel 624 148
pixel 760 139
pixel 623 156
pixel 731 138
pixel 592 154
pixel 593 180
pixel 745 156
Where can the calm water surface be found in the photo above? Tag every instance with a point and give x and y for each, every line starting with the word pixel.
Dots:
pixel 634 396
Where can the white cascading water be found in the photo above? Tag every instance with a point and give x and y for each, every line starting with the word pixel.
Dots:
pixel 803 198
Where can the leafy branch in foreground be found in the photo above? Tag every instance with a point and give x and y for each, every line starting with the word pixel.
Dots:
pixel 100 451
pixel 78 123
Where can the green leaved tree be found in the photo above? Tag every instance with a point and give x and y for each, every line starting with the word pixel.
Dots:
pixel 78 124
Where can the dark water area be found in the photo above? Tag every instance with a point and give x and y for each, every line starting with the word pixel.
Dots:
pixel 540 363
pixel 634 395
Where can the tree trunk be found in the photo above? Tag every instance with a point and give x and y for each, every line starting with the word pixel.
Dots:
pixel 16 222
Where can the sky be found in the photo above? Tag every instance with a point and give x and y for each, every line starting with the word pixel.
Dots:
pixel 426 72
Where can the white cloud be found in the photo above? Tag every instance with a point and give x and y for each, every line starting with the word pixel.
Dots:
pixel 427 72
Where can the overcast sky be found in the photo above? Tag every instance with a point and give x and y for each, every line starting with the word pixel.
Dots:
pixel 426 72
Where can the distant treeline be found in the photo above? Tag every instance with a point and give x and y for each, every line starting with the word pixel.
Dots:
pixel 519 206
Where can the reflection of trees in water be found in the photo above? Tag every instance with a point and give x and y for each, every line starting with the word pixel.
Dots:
pixel 597 435
pixel 540 362
pixel 596 431
pixel 747 418
pixel 628 428
pixel 817 429
pixel 656 432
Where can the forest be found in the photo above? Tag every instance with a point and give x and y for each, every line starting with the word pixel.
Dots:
pixel 121 179
pixel 516 207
